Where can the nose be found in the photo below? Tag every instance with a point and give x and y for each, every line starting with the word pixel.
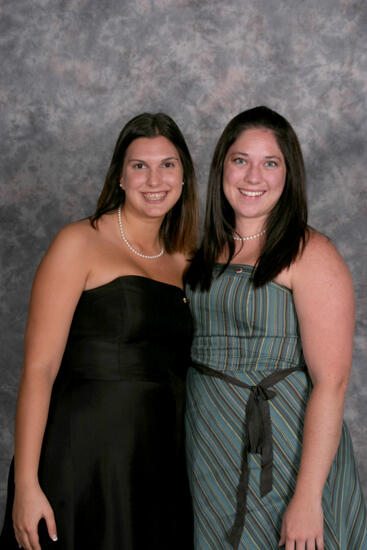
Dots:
pixel 154 178
pixel 253 173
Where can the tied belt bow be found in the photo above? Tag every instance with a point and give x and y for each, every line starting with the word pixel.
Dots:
pixel 258 438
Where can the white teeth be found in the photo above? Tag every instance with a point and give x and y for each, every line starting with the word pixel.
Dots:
pixel 154 196
pixel 252 193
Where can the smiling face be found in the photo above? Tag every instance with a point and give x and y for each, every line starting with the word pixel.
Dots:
pixel 151 177
pixel 254 173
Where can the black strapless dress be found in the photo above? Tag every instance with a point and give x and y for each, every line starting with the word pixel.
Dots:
pixel 112 462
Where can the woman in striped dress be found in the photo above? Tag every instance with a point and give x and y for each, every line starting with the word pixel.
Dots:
pixel 270 459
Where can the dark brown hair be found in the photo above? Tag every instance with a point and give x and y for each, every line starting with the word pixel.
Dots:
pixel 179 227
pixel 286 226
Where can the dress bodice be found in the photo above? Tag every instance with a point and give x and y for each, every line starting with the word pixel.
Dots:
pixel 122 328
pixel 238 327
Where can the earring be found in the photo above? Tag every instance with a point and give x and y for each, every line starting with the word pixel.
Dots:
pixel 183 183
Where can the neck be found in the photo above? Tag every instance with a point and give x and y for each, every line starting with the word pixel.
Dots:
pixel 250 227
pixel 141 231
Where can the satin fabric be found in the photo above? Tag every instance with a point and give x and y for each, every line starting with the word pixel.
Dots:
pixel 112 462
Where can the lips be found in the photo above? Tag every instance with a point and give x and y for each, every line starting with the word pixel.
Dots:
pixel 251 193
pixel 155 196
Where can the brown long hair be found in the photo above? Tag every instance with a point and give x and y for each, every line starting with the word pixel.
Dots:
pixel 286 226
pixel 179 228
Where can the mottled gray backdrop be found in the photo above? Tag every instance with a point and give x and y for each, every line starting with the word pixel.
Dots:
pixel 74 71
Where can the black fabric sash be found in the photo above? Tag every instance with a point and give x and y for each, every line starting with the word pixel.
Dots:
pixel 258 438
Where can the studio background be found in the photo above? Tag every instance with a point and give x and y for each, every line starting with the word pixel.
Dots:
pixel 75 71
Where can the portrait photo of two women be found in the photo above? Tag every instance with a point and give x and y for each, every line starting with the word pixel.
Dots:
pixel 183 275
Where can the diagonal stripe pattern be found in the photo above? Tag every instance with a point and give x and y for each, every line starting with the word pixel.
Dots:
pixel 248 334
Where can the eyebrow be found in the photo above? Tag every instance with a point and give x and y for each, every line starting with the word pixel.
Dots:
pixel 162 160
pixel 246 155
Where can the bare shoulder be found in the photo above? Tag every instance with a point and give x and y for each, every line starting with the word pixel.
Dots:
pixel 69 253
pixel 320 264
pixel 181 260
pixel 319 259
pixel 74 237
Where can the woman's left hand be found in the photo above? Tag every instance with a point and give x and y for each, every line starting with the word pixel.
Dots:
pixel 302 526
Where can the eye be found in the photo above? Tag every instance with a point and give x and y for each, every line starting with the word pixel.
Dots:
pixel 138 165
pixel 239 160
pixel 271 163
pixel 168 164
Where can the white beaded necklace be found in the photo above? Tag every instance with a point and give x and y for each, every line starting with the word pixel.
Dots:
pixel 250 237
pixel 130 246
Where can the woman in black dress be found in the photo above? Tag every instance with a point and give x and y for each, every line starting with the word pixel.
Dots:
pixel 99 459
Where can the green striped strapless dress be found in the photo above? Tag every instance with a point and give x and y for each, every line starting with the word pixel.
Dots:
pixel 247 394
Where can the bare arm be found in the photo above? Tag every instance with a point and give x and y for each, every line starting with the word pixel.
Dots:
pixel 59 281
pixel 323 294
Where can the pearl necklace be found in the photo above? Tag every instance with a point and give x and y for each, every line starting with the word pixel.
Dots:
pixel 250 237
pixel 130 246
